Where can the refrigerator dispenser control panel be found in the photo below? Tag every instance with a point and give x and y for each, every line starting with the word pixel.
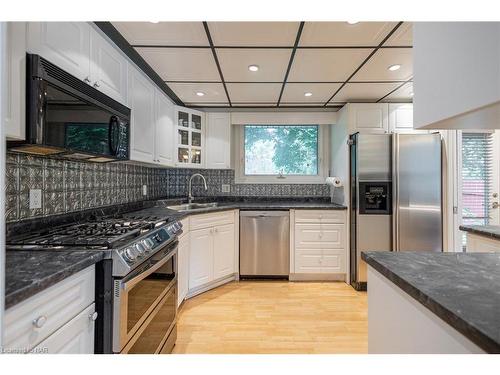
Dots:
pixel 375 198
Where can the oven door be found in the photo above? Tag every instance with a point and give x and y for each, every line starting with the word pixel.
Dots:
pixel 145 306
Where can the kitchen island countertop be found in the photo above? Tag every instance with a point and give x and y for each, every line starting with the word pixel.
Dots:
pixel 462 289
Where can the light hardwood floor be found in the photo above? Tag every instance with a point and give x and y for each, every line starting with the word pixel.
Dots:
pixel 274 317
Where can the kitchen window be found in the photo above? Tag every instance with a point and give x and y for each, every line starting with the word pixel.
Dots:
pixel 281 154
pixel 478 177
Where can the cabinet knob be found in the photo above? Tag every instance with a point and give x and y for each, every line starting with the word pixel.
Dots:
pixel 93 316
pixel 96 84
pixel 40 321
pixel 216 230
pixel 87 79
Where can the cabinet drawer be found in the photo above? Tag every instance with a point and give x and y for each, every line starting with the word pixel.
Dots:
pixel 211 220
pixel 319 216
pixel 308 261
pixel 57 305
pixel 75 337
pixel 324 236
pixel 333 261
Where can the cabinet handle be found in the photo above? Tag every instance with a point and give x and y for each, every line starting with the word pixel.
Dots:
pixel 216 230
pixel 40 321
pixel 96 84
pixel 86 79
pixel 93 316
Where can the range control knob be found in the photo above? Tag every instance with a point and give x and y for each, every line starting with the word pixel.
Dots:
pixel 148 244
pixel 140 249
pixel 129 255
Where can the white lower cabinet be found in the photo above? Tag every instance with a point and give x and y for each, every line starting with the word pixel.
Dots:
pixel 319 245
pixel 75 337
pixel 213 248
pixel 223 243
pixel 183 263
pixel 63 309
pixel 201 257
pixel 480 244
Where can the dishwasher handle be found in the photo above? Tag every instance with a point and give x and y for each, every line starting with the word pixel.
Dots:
pixel 257 214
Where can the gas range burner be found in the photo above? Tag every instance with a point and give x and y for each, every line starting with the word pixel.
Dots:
pixel 104 233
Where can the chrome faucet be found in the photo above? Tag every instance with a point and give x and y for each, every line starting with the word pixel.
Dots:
pixel 190 194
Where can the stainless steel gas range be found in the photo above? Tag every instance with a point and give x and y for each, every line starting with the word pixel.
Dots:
pixel 136 290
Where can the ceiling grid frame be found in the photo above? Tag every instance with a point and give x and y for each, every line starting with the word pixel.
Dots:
pixel 329 104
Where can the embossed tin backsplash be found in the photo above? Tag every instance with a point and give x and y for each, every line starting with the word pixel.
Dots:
pixel 69 186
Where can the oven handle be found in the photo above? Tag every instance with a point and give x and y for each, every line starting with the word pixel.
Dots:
pixel 130 283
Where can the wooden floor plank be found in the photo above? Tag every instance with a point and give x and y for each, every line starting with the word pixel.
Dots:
pixel 256 317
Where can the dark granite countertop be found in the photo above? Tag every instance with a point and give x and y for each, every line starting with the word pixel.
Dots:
pixel 29 272
pixel 161 206
pixel 463 289
pixel 492 231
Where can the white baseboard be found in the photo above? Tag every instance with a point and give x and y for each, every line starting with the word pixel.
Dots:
pixel 317 277
pixel 214 284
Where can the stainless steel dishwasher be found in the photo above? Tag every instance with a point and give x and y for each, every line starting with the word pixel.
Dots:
pixel 264 244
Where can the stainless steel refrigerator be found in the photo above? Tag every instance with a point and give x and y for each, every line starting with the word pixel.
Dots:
pixel 396 196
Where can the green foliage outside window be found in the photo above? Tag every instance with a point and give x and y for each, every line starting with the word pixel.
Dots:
pixel 286 150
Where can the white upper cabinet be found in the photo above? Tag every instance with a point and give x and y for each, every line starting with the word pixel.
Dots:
pixel 164 139
pixel 65 44
pixel 141 94
pixel 457 75
pixel 108 68
pixel 368 117
pixel 218 140
pixel 190 135
pixel 15 81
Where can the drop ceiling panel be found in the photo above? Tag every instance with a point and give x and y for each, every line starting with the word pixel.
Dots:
pixel 403 36
pixel 326 65
pixel 344 34
pixel 254 92
pixel 214 92
pixel 404 93
pixel 163 33
pixel 376 68
pixel 364 92
pixel 253 33
pixel 321 92
pixel 181 64
pixel 272 64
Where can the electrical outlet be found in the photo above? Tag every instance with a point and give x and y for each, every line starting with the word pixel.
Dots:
pixel 144 190
pixel 35 199
pixel 226 188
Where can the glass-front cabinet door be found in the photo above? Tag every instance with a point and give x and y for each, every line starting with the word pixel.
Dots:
pixel 190 128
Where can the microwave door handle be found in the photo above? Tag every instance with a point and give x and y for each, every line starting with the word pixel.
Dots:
pixel 113 122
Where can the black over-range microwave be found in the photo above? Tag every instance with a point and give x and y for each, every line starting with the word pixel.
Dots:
pixel 66 117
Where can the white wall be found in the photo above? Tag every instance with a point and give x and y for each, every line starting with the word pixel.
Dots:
pixel 339 156
pixel 3 90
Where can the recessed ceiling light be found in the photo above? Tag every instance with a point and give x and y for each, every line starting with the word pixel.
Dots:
pixel 352 22
pixel 253 68
pixel 308 94
pixel 394 67
pixel 199 93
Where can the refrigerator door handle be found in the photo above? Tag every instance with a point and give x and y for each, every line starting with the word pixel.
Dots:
pixel 395 192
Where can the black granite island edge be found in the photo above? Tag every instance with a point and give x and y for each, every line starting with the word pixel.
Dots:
pixel 487 338
pixel 489 231
pixel 30 272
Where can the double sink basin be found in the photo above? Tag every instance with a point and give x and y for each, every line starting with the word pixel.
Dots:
pixel 188 207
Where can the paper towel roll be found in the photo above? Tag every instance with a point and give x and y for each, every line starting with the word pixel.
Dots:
pixel 334 181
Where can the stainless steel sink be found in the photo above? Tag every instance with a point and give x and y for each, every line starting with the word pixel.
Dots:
pixel 193 206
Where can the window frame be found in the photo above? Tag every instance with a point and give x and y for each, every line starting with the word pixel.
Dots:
pixel 323 158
